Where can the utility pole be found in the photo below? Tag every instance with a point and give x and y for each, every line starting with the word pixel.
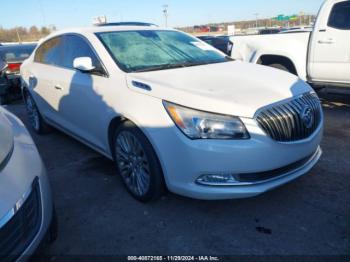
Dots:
pixel 301 17
pixel 256 19
pixel 42 11
pixel 166 14
pixel 19 38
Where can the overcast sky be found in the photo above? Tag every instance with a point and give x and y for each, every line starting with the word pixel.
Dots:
pixel 68 13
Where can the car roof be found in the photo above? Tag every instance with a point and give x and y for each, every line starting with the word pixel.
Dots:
pixel 102 29
pixel 128 24
pixel 16 46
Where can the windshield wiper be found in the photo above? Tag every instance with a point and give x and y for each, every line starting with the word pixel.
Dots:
pixel 158 67
pixel 178 65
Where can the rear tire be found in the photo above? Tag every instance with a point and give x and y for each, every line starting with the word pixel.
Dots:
pixel 318 88
pixel 36 120
pixel 281 67
pixel 137 163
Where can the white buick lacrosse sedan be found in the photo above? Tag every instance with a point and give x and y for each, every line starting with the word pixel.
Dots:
pixel 173 112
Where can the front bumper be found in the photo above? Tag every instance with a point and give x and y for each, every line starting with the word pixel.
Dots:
pixel 251 189
pixel 184 161
pixel 15 76
pixel 24 190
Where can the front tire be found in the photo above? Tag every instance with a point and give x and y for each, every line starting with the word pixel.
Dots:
pixel 137 163
pixel 36 120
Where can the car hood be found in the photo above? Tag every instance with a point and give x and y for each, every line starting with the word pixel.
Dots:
pixel 6 138
pixel 18 174
pixel 234 88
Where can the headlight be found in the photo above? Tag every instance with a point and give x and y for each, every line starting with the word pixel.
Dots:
pixel 203 125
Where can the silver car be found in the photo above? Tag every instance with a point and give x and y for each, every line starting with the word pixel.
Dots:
pixel 26 208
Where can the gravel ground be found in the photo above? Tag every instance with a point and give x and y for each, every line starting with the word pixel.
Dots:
pixel 310 216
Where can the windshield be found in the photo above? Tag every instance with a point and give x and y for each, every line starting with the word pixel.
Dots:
pixel 150 50
pixel 16 53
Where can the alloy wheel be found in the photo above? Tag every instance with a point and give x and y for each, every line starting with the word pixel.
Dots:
pixel 132 162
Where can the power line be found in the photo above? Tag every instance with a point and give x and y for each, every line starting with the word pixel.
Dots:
pixel 42 11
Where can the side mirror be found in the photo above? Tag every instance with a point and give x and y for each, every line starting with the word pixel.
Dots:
pixel 83 64
pixel 3 65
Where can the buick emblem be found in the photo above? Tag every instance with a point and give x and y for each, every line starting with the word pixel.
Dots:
pixel 307 116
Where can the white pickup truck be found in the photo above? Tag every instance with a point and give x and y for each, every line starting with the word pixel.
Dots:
pixel 320 57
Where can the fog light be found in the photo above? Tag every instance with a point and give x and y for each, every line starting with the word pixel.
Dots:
pixel 216 180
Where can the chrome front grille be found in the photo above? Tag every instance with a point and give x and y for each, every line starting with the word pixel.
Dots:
pixel 18 233
pixel 291 121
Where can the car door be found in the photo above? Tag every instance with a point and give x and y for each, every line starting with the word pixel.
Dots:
pixel 45 77
pixel 81 104
pixel 330 50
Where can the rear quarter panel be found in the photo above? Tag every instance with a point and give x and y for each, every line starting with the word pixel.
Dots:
pixel 293 46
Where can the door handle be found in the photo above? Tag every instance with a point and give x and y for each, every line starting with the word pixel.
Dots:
pixel 58 87
pixel 326 41
pixel 32 81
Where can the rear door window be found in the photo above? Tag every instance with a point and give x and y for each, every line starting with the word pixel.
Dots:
pixel 340 16
pixel 50 52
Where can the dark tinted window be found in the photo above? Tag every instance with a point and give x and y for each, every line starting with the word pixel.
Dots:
pixel 340 16
pixel 269 31
pixel 210 41
pixel 50 52
pixel 16 53
pixel 74 47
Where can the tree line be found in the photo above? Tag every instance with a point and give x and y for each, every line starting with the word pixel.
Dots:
pixel 301 20
pixel 23 34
